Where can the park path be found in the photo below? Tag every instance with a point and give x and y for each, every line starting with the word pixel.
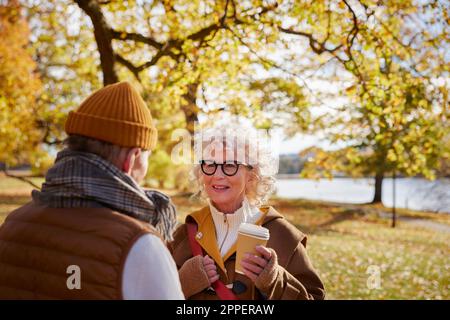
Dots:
pixel 418 222
pixel 423 223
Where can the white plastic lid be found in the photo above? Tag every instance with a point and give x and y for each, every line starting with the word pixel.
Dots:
pixel 254 230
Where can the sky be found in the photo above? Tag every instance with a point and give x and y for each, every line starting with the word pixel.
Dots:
pixel 298 143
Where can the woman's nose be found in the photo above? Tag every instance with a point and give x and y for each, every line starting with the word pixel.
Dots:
pixel 219 172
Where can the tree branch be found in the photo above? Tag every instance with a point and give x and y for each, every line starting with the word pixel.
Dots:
pixel 137 37
pixel 224 17
pixel 45 125
pixel 24 179
pixel 104 35
pixel 316 46
pixel 275 65
pixel 165 49
pixel 134 70
pixel 354 31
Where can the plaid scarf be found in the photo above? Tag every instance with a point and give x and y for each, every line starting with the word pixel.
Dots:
pixel 80 179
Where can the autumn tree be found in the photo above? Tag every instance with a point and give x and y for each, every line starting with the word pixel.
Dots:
pixel 394 127
pixel 394 119
pixel 191 47
pixel 21 132
pixel 277 62
pixel 64 50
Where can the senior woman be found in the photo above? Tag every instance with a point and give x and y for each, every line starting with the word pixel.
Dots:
pixel 235 177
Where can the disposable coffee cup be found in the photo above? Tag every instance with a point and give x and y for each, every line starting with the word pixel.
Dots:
pixel 249 236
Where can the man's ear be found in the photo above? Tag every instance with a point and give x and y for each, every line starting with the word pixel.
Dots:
pixel 130 157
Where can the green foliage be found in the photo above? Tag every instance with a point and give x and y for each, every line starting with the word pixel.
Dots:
pixel 63 47
pixel 397 116
pixel 158 169
pixel 261 59
pixel 282 101
pixel 162 173
pixel 397 124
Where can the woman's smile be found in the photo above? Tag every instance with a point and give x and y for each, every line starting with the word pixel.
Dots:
pixel 220 187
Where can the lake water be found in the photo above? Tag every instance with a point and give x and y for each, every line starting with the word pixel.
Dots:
pixel 411 193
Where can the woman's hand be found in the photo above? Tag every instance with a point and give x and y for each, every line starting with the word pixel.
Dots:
pixel 254 265
pixel 197 274
pixel 210 269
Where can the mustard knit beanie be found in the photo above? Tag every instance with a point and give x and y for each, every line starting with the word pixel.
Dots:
pixel 116 114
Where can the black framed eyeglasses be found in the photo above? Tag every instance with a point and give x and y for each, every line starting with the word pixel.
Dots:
pixel 229 168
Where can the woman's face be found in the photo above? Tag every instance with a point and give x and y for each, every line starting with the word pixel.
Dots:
pixel 225 192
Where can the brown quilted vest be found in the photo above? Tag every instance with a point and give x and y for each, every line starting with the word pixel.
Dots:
pixel 38 244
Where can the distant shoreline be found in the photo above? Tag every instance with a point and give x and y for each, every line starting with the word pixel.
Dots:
pixel 339 175
pixel 297 176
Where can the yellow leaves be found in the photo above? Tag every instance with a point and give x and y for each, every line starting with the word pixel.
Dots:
pixel 410 260
pixel 391 156
pixel 353 156
pixel 351 89
pixel 398 146
pixel 19 136
pixel 415 150
pixel 379 137
pixel 423 103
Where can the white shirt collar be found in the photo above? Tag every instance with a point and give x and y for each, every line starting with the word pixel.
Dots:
pixel 245 212
pixel 227 225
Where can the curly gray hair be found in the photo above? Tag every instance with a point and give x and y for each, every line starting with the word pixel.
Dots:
pixel 254 148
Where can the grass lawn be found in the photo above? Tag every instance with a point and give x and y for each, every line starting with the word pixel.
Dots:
pixel 11 186
pixel 348 244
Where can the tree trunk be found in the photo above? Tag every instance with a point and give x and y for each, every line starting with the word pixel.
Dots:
pixel 394 215
pixel 103 38
pixel 190 108
pixel 378 187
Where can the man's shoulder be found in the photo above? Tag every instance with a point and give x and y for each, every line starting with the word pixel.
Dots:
pixel 147 250
pixel 149 241
pixel 24 208
pixel 104 219
pixel 24 212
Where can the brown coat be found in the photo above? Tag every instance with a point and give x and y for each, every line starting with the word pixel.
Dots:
pixel 293 278
pixel 38 244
